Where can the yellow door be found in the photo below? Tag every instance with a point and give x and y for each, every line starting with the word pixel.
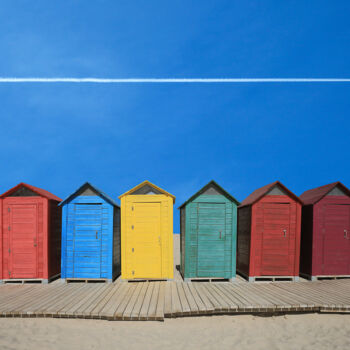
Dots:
pixel 146 240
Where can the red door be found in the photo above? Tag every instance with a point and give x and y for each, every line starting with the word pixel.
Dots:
pixel 276 237
pixel 22 241
pixel 336 240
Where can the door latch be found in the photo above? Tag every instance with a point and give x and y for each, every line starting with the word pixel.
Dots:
pixel 132 249
pixel 132 227
pixel 284 233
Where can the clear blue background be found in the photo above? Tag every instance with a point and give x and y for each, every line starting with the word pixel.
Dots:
pixel 177 136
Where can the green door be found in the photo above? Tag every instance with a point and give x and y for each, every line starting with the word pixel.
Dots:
pixel 211 240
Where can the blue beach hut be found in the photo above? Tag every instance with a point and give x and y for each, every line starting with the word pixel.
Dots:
pixel 90 236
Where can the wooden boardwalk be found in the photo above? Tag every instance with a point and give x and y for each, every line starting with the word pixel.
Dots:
pixel 157 300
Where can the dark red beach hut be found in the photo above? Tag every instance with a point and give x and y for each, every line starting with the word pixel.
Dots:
pixel 268 236
pixel 325 232
pixel 30 232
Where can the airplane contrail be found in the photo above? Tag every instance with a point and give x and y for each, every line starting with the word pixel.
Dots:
pixel 170 80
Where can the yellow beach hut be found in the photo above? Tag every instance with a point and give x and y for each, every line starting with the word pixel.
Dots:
pixel 147 233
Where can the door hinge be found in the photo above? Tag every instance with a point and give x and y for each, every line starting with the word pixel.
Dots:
pixel 8 209
pixel 9 228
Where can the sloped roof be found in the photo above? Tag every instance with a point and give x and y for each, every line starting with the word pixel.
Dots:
pixel 95 189
pixel 146 182
pixel 262 191
pixel 203 189
pixel 316 194
pixel 37 190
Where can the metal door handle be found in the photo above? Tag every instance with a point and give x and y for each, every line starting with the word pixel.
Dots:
pixel 220 234
pixel 34 242
pixel 284 233
pixel 96 234
pixel 159 240
pixel 346 234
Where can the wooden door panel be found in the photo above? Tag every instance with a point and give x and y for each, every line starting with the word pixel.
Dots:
pixel 336 240
pixel 276 237
pixel 87 240
pixel 211 240
pixel 23 241
pixel 146 240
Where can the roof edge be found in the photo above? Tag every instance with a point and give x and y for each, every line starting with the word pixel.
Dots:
pixel 39 191
pixel 212 182
pixel 146 182
pixel 267 189
pixel 99 192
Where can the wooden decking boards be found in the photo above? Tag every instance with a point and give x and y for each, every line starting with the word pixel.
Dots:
pixel 159 300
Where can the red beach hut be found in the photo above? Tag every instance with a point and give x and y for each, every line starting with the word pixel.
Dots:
pixel 268 235
pixel 325 232
pixel 30 232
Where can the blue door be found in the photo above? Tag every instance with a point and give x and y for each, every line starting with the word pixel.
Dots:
pixel 87 240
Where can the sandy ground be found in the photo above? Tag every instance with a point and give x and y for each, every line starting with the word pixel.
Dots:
pixel 309 331
pixel 304 331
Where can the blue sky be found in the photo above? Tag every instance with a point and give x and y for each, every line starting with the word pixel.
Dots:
pixel 177 136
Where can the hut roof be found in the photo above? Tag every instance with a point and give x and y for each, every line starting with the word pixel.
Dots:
pixel 316 194
pixel 262 191
pixel 203 189
pixel 148 183
pixel 37 190
pixel 95 189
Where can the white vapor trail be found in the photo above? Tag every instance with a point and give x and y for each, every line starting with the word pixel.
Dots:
pixel 171 80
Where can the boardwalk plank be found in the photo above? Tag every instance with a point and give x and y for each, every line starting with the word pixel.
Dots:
pixel 167 302
pixel 131 304
pixel 146 301
pixel 135 314
pixel 153 303
pixel 176 309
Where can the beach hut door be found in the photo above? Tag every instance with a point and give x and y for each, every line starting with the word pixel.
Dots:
pixel 23 240
pixel 211 239
pixel 87 240
pixel 276 236
pixel 336 240
pixel 146 248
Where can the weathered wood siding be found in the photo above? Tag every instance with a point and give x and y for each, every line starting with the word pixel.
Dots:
pixel 182 239
pixel 243 239
pixel 54 238
pixel 218 257
pixel 306 239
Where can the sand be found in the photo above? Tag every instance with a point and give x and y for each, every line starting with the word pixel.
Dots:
pixel 308 331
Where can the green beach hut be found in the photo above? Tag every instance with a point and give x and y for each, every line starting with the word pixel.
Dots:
pixel 208 229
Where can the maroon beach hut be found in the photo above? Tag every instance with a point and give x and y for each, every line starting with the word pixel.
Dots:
pixel 268 235
pixel 325 232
